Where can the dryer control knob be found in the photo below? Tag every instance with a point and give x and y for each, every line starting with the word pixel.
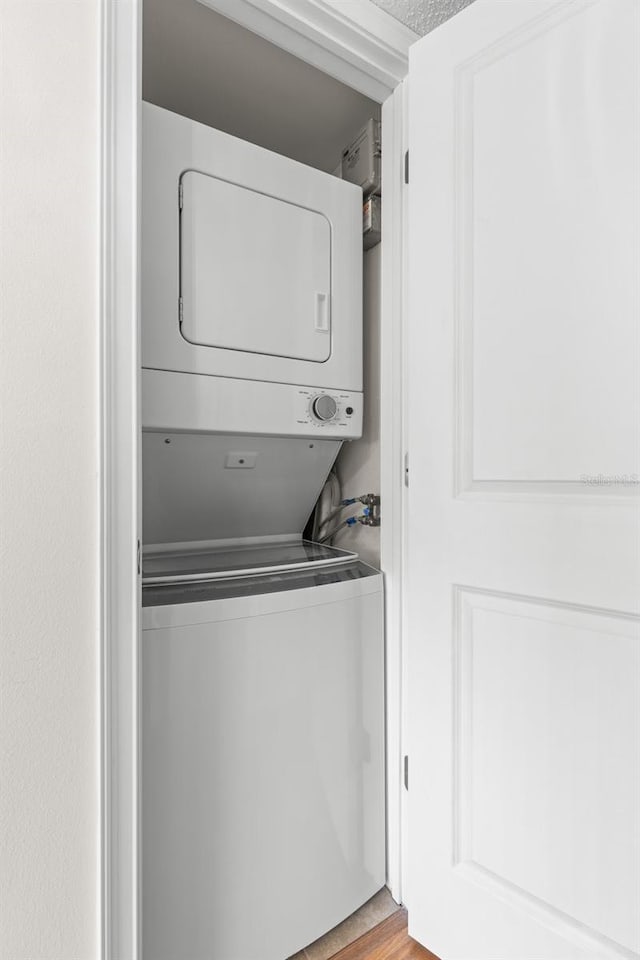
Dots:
pixel 324 407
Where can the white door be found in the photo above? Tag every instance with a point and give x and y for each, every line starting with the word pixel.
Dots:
pixel 523 659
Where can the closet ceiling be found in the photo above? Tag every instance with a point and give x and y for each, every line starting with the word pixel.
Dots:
pixel 205 67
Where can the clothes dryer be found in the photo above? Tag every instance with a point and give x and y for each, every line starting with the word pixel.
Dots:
pixel 251 271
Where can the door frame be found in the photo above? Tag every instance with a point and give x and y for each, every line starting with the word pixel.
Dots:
pixel 366 48
pixel 120 90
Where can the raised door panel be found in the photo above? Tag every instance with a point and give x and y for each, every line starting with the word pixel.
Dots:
pixel 546 700
pixel 547 238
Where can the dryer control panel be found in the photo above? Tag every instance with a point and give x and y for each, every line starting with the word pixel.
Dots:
pixel 329 409
pixel 181 402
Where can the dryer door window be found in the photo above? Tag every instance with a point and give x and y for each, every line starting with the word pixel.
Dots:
pixel 255 271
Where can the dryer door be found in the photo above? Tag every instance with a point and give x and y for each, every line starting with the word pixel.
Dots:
pixel 255 271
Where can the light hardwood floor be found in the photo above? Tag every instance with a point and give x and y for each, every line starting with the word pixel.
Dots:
pixel 388 941
pixel 370 914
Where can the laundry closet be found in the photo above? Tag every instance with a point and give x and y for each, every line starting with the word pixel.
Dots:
pixel 262 651
pixel 245 725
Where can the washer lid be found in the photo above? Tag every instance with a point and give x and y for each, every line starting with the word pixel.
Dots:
pixel 177 595
pixel 187 566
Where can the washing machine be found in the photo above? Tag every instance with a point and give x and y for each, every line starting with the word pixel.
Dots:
pixel 262 748
pixel 262 727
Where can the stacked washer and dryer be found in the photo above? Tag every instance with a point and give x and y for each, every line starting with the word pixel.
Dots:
pixel 262 725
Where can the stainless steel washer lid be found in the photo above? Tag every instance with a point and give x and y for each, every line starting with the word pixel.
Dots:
pixel 188 566
pixel 201 592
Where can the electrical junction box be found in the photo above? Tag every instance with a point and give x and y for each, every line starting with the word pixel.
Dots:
pixel 371 222
pixel 361 159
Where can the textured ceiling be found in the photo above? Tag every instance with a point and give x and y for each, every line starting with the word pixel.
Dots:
pixel 422 15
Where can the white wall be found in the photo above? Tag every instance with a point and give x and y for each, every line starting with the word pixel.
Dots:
pixel 358 465
pixel 49 644
pixel 208 68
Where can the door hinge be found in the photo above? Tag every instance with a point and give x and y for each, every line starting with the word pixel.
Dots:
pixel 406 773
pixel 406 469
pixel 180 311
pixel 139 558
pixel 180 195
pixel 406 166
